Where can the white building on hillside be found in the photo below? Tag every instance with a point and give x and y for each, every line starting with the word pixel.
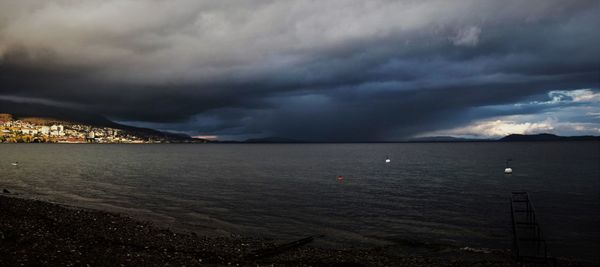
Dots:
pixel 45 130
pixel 29 131
pixel 57 130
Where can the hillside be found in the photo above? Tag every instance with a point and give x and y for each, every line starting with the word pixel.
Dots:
pixel 545 137
pixel 46 115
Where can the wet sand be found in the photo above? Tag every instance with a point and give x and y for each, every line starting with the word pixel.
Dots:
pixel 34 232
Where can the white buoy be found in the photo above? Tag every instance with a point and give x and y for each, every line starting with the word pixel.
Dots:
pixel 508 169
pixel 387 160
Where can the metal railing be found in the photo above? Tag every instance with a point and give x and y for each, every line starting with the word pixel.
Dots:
pixel 529 244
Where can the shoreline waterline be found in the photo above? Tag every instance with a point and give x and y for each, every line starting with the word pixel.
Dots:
pixel 40 232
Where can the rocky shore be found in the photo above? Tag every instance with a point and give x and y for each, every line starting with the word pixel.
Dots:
pixel 34 233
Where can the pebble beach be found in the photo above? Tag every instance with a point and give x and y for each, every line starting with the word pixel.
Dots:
pixel 34 232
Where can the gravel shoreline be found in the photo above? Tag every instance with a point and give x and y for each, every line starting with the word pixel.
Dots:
pixel 34 232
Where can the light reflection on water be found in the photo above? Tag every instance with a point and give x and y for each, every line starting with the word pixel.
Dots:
pixel 450 193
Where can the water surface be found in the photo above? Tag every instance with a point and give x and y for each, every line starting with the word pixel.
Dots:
pixel 450 193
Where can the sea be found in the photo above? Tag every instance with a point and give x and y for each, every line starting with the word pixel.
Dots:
pixel 453 194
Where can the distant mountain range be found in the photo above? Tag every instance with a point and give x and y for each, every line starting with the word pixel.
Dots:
pixel 546 137
pixel 433 139
pixel 444 139
pixel 273 140
pixel 543 137
pixel 42 111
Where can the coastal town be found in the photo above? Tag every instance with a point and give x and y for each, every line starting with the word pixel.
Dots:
pixel 36 130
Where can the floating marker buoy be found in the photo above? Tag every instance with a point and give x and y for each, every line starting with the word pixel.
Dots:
pixel 508 169
pixel 387 159
pixel 340 177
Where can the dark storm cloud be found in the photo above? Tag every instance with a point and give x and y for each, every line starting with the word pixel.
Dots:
pixel 335 70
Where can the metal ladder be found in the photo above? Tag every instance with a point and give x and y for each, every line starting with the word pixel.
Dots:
pixel 529 245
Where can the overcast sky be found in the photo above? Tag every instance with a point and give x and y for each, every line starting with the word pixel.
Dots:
pixel 314 70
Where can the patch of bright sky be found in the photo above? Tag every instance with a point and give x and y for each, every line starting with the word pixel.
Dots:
pixel 574 112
